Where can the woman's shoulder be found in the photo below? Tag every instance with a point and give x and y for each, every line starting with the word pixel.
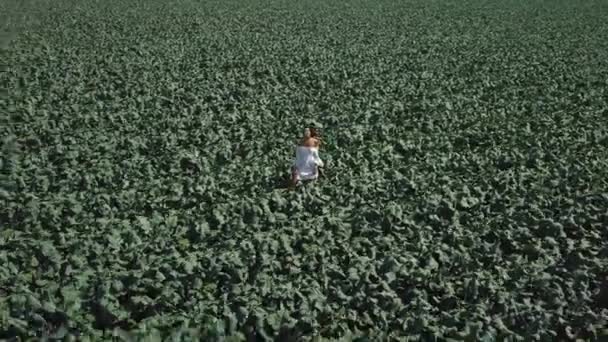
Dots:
pixel 310 142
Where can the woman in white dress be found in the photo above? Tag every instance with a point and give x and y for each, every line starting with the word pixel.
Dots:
pixel 307 163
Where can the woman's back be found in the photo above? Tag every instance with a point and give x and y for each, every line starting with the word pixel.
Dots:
pixel 310 142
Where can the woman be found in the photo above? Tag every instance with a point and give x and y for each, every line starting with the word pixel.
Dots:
pixel 307 163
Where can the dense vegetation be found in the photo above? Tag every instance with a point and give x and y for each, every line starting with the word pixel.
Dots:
pixel 145 144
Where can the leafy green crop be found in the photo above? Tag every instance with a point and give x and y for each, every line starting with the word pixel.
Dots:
pixel 145 143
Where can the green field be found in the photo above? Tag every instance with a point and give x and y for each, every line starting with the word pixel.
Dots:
pixel 145 145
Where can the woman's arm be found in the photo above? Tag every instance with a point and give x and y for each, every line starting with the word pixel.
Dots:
pixel 318 160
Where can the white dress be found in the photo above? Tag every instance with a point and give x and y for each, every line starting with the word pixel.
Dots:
pixel 307 161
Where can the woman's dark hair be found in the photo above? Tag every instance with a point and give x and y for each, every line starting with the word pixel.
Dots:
pixel 313 132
